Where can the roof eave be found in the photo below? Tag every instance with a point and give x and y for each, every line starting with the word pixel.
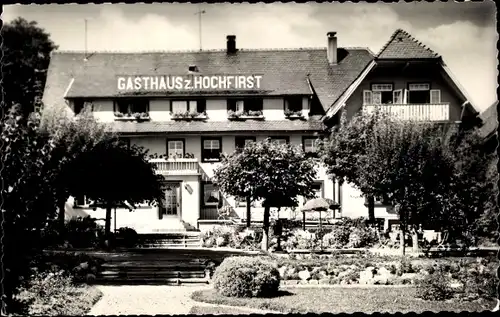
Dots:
pixel 458 87
pixel 349 91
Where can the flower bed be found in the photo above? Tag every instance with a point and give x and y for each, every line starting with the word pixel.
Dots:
pixel 370 270
pixel 55 294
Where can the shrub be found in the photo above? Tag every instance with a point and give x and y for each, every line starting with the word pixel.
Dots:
pixel 54 294
pixel 246 277
pixel 78 265
pixel 83 232
pixel 435 287
pixel 126 237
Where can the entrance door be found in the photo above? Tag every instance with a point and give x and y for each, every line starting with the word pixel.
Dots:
pixel 172 202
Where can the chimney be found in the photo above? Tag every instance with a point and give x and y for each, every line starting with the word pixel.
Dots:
pixel 331 50
pixel 231 44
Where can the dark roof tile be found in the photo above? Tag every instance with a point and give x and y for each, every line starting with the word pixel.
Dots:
pixel 284 71
pixel 402 45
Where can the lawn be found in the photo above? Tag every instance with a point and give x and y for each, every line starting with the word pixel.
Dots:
pixel 203 310
pixel 344 300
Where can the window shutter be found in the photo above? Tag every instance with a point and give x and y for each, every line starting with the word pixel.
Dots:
pixel 377 97
pixel 435 96
pixel 397 96
pixel 367 97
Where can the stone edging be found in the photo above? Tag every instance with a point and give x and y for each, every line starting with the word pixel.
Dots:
pixel 316 284
pixel 245 308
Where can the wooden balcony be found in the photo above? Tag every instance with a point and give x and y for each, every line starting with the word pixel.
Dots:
pixel 180 166
pixel 417 112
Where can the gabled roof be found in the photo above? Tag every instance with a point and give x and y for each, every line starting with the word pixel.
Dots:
pixel 285 71
pixel 402 45
pixel 312 125
pixel 489 118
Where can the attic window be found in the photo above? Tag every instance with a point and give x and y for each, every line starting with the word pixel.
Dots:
pixel 193 68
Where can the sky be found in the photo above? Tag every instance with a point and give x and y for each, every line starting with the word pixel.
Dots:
pixel 464 34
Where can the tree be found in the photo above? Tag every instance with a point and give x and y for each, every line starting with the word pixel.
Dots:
pixel 275 174
pixel 27 197
pixel 111 174
pixel 71 138
pixel 26 55
pixel 346 145
pixel 434 175
pixel 407 163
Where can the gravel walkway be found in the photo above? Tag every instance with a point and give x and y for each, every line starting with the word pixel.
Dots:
pixel 145 300
pixel 152 300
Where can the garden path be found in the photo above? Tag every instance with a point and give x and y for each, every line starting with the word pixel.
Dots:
pixel 151 300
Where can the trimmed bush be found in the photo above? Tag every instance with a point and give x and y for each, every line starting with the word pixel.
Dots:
pixel 126 237
pixel 246 277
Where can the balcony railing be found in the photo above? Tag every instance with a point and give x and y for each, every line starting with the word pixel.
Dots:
pixel 180 166
pixel 417 112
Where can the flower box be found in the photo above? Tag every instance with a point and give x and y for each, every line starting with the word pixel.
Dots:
pixel 132 117
pixel 250 115
pixel 188 116
pixel 293 115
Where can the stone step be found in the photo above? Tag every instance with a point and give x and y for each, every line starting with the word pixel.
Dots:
pixel 145 274
pixel 130 266
pixel 150 281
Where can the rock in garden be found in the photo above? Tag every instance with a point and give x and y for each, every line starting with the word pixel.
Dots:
pixel 409 277
pixel 315 282
pixel 304 275
pixel 365 276
pixel 84 265
pixel 282 271
pixel 324 281
pixel 322 275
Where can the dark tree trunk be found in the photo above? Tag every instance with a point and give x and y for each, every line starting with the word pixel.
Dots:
pixel 249 214
pixel 61 206
pixel 303 220
pixel 402 241
pixel 265 228
pixel 371 210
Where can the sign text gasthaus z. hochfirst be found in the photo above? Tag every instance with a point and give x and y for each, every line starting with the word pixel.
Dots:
pixel 189 82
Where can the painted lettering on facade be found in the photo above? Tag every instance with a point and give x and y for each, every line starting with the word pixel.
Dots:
pixel 192 82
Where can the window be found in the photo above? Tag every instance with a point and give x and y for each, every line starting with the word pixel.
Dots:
pixel 382 93
pixel 247 104
pixel 419 93
pixel 175 148
pixel 211 150
pixel 318 189
pixel 293 103
pixel 310 145
pixel 211 195
pixel 182 106
pixel 279 140
pixel 81 201
pixel 242 141
pixel 131 106
pixel 79 105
